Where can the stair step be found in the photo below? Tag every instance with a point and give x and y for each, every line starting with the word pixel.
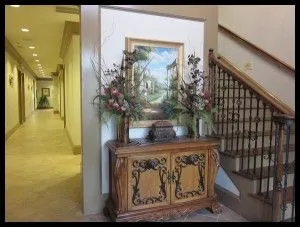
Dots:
pixel 249 174
pixel 262 196
pixel 259 133
pixel 238 154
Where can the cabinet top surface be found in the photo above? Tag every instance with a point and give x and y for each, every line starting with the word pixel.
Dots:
pixel 137 145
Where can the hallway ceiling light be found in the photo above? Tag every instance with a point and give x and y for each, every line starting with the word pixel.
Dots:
pixel 31 47
pixel 15 6
pixel 39 64
pixel 24 30
pixel 34 54
pixel 37 60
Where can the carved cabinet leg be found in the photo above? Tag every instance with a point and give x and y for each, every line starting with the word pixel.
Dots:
pixel 215 208
pixel 106 212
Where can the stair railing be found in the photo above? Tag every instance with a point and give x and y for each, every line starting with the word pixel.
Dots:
pixel 246 122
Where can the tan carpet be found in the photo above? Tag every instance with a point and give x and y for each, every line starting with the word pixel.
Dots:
pixel 42 175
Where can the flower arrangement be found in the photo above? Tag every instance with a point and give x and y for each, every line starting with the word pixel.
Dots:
pixel 116 94
pixel 196 104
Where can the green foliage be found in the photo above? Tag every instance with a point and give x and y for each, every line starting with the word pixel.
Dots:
pixel 43 102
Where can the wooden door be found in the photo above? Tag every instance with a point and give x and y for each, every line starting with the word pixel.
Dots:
pixel 148 184
pixel 21 97
pixel 189 175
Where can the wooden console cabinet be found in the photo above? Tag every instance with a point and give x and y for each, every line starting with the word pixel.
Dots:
pixel 161 180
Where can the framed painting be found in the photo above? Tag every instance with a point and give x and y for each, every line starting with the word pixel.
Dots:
pixel 46 91
pixel 156 76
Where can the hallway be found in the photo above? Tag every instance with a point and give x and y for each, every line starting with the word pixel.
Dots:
pixel 42 176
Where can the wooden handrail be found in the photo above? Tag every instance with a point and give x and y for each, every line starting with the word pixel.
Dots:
pixel 248 81
pixel 260 51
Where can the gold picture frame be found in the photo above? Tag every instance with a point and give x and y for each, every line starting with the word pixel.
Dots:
pixel 156 76
pixel 46 91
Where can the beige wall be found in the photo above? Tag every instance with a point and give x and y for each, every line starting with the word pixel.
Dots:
pixel 45 84
pixel 11 93
pixel 272 29
pixel 93 200
pixel 72 99
pixel 29 93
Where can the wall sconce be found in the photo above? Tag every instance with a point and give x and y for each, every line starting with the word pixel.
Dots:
pixel 11 80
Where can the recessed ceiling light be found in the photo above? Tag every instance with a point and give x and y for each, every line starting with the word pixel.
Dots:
pixel 31 47
pixel 34 55
pixel 37 60
pixel 15 6
pixel 39 64
pixel 24 29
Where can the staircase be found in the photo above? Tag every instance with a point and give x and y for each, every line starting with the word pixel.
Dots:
pixel 258 151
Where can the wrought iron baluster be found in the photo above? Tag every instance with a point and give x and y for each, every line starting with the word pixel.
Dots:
pixel 293 201
pixel 219 87
pixel 257 120
pixel 244 117
pixel 223 102
pixel 238 120
pixel 270 153
pixel 285 168
pixel 262 148
pixel 249 133
pixel 233 113
pixel 277 175
pixel 227 112
pixel 214 86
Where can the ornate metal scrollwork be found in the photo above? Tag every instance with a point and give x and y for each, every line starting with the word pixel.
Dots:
pixel 140 166
pixel 257 119
pixel 252 135
pixel 223 116
pixel 221 101
pixel 239 102
pixel 182 162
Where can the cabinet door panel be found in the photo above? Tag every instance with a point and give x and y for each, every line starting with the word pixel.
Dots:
pixel 148 181
pixel 189 176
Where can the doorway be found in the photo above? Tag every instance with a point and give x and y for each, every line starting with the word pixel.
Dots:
pixel 21 97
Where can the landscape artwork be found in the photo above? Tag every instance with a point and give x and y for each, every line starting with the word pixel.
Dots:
pixel 156 75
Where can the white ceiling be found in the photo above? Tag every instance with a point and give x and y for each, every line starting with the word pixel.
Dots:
pixel 46 29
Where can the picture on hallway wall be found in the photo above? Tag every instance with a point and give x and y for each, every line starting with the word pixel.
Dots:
pixel 46 91
pixel 156 76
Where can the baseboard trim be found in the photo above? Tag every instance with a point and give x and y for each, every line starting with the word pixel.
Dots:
pixel 44 108
pixel 76 148
pixel 55 111
pixel 10 132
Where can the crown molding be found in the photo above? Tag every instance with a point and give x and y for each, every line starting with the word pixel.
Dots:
pixel 10 49
pixel 71 28
pixel 44 79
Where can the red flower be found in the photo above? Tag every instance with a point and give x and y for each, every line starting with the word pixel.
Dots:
pixel 206 95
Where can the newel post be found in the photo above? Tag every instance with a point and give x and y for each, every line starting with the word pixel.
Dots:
pixel 212 70
pixel 281 120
